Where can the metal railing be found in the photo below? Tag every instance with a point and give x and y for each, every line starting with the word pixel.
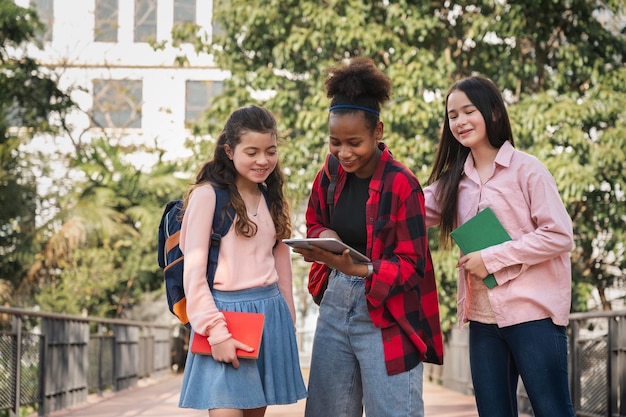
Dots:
pixel 59 359
pixel 598 363
pixel 53 361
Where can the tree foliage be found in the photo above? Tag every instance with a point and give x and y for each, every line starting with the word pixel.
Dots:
pixel 29 98
pixel 101 257
pixel 28 93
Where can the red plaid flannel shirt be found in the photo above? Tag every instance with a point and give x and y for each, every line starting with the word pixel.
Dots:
pixel 402 294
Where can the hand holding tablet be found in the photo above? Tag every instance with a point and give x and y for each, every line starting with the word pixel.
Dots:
pixel 329 244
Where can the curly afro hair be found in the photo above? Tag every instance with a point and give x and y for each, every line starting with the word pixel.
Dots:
pixel 359 82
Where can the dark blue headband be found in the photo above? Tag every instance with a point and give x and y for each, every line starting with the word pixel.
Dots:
pixel 352 106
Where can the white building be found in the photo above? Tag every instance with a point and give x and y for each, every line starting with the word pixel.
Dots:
pixel 103 53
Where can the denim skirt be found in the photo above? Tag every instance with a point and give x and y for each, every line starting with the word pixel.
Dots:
pixel 274 378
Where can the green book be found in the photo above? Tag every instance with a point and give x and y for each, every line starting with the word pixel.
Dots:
pixel 480 232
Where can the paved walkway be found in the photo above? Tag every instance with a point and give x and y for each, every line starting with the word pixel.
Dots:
pixel 159 398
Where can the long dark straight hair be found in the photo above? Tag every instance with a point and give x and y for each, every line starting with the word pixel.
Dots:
pixel 451 155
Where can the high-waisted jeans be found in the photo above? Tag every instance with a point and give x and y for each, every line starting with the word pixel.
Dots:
pixel 348 370
pixel 536 351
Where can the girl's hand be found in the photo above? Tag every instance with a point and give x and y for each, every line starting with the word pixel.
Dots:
pixel 226 351
pixel 341 262
pixel 329 234
pixel 473 264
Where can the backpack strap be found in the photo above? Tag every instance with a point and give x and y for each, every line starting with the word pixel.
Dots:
pixel 221 224
pixel 330 169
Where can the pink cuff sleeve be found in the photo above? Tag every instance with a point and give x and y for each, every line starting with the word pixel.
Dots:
pixel 218 333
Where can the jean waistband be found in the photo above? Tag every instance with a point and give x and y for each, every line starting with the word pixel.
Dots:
pixel 249 294
pixel 340 274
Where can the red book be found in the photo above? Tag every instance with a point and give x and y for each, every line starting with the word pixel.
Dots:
pixel 245 327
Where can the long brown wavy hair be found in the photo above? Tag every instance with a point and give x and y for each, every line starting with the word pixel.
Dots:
pixel 221 172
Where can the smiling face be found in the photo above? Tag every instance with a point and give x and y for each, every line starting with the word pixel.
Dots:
pixel 467 124
pixel 254 157
pixel 353 143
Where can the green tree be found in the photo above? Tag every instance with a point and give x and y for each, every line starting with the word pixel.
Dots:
pixel 29 100
pixel 555 61
pixel 100 257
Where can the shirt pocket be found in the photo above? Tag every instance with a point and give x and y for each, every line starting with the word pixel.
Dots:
pixel 511 208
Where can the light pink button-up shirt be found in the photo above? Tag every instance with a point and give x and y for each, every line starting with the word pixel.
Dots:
pixel 243 262
pixel 533 270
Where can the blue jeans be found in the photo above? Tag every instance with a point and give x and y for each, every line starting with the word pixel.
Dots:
pixel 348 370
pixel 536 351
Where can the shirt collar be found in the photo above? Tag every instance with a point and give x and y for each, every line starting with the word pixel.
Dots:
pixel 503 158
pixel 378 176
pixel 505 154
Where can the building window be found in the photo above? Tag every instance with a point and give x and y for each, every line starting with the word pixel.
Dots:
pixel 117 103
pixel 198 95
pixel 218 29
pixel 145 20
pixel 184 12
pixel 45 11
pixel 106 25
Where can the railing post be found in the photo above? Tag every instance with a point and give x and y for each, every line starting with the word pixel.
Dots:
pixel 43 363
pixel 17 326
pixel 116 360
pixel 615 366
pixel 100 339
pixel 611 391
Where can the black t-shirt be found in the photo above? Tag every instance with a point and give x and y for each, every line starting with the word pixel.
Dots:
pixel 348 218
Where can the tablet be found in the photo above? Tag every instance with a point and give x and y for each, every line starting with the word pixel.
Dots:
pixel 330 244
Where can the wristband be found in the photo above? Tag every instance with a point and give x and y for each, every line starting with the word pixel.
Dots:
pixel 370 270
